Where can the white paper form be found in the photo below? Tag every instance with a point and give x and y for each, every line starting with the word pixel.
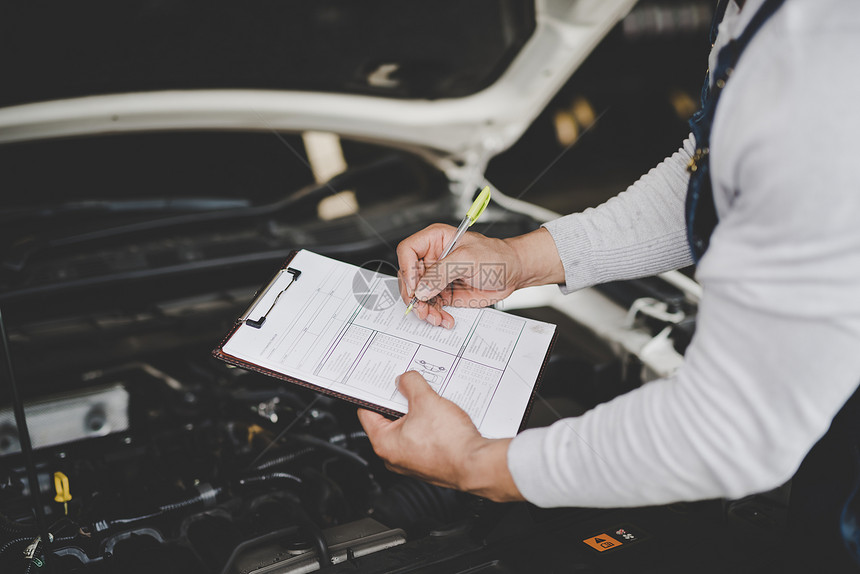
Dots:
pixel 343 328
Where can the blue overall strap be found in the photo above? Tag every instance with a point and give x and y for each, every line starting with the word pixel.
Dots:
pixel 719 14
pixel 700 212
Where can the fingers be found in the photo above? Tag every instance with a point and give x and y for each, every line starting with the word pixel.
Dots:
pixel 407 261
pixel 384 434
pixel 435 314
pixel 373 423
pixel 405 292
pixel 426 244
pixel 447 319
pixel 459 264
pixel 430 313
pixel 435 441
pixel 414 388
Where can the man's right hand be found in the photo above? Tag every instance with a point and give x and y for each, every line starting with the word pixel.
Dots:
pixel 478 272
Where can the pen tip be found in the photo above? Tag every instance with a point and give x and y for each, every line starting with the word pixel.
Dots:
pixel 408 309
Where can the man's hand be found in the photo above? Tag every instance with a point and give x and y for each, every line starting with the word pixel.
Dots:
pixel 479 271
pixel 437 442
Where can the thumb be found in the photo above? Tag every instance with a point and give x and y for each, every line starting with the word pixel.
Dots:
pixel 458 265
pixel 373 423
pixel 413 386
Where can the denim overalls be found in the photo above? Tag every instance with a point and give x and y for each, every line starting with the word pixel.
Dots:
pixel 824 510
pixel 700 212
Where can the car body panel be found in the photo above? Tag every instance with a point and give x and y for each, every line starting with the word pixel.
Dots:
pixel 470 128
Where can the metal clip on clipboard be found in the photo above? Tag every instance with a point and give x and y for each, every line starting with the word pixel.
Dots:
pixel 259 322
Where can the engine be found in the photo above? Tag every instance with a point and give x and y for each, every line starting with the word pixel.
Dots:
pixel 199 467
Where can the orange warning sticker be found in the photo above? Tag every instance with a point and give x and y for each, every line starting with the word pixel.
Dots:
pixel 602 542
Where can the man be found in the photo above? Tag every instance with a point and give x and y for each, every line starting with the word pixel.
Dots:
pixel 777 348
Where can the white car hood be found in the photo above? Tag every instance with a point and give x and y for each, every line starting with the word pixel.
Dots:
pixel 469 129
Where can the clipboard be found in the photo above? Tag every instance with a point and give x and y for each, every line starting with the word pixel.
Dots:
pixel 256 317
pixel 220 354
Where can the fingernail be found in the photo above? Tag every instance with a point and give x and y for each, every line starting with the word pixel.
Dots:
pixel 447 323
pixel 433 320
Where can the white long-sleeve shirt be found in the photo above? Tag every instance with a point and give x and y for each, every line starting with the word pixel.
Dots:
pixel 777 346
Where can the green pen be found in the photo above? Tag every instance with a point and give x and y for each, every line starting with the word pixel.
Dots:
pixel 472 216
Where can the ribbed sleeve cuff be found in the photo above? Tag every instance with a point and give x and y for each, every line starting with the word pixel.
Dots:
pixel 575 252
pixel 606 255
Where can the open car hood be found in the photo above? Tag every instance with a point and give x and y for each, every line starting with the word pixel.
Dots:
pixel 460 111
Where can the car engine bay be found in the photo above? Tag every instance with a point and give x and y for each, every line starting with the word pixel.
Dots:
pixel 151 455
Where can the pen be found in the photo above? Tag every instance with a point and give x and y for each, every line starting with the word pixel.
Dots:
pixel 472 216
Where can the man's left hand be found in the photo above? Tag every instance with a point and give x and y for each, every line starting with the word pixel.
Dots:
pixel 437 442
